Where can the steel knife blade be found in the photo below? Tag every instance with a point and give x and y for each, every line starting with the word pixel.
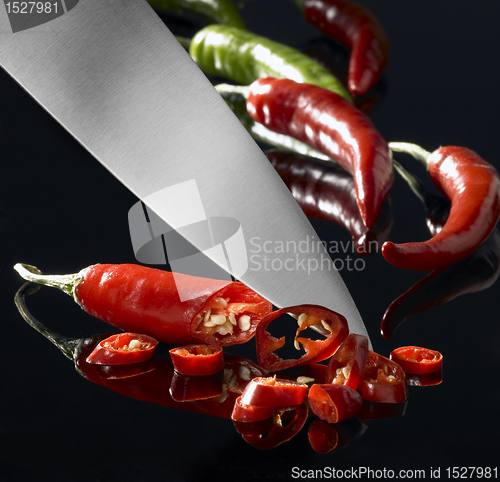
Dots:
pixel 115 77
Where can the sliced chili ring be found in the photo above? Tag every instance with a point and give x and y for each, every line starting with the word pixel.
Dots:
pixel 417 360
pixel 348 363
pixel 123 349
pixel 334 403
pixel 273 392
pixel 250 413
pixel 197 359
pixel 330 324
pixel 383 380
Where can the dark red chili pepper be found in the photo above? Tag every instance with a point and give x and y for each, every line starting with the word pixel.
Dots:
pixel 347 365
pixel 383 381
pixel 326 191
pixel 330 324
pixel 473 187
pixel 278 433
pixel 197 359
pixel 273 392
pixel 243 412
pixel 146 300
pixel 475 273
pixel 356 28
pixel 123 349
pixel 334 403
pixel 333 126
pixel 417 360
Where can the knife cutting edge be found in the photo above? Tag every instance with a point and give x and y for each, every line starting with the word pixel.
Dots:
pixel 115 77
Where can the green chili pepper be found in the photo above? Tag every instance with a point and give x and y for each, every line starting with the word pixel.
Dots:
pixel 243 57
pixel 260 133
pixel 215 11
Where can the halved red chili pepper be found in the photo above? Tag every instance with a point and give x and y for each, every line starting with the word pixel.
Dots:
pixel 250 413
pixel 123 349
pixel 330 324
pixel 334 403
pixel 347 365
pixel 138 298
pixel 473 187
pixel 383 380
pixel 197 359
pixel 273 392
pixel 279 433
pixel 358 30
pixel 326 121
pixel 417 360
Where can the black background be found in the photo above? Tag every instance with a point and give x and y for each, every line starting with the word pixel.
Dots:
pixel 61 210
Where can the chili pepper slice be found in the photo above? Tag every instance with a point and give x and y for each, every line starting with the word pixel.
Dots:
pixel 383 381
pixel 417 360
pixel 243 57
pixel 334 403
pixel 214 11
pixel 243 412
pixel 347 365
pixel 273 392
pixel 330 324
pixel 326 191
pixel 355 27
pixel 197 359
pixel 330 124
pixel 123 349
pixel 138 298
pixel 473 187
pixel 279 433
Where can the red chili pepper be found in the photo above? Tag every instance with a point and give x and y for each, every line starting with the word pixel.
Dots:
pixel 347 365
pixel 326 322
pixel 473 187
pixel 383 381
pixel 417 360
pixel 250 413
pixel 326 191
pixel 333 126
pixel 274 392
pixel 356 28
pixel 123 349
pixel 334 403
pixel 146 300
pixel 197 359
pixel 279 433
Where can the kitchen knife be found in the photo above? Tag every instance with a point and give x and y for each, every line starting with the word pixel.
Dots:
pixel 116 78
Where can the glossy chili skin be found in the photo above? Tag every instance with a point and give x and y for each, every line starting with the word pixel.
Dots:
pixel 137 298
pixel 326 191
pixel 473 187
pixel 197 360
pixel 383 381
pixel 334 403
pixel 417 360
pixel 355 27
pixel 243 57
pixel 273 392
pixel 315 350
pixel 213 11
pixel 325 121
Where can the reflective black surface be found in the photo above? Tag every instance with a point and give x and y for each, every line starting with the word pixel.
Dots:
pixel 60 210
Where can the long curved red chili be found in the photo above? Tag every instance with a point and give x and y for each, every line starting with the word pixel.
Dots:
pixel 326 191
pixel 330 124
pixel 140 299
pixel 356 28
pixel 473 187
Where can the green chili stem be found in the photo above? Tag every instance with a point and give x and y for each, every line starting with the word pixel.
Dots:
pixel 243 90
pixel 66 283
pixel 68 346
pixel 184 41
pixel 416 151
pixel 413 182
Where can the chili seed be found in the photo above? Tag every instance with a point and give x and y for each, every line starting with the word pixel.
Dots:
pixel 218 319
pixel 326 326
pixel 244 323
pixel 206 316
pixel 302 318
pixel 305 380
pixel 232 319
pixel 221 301
pixel 245 373
pixel 134 344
